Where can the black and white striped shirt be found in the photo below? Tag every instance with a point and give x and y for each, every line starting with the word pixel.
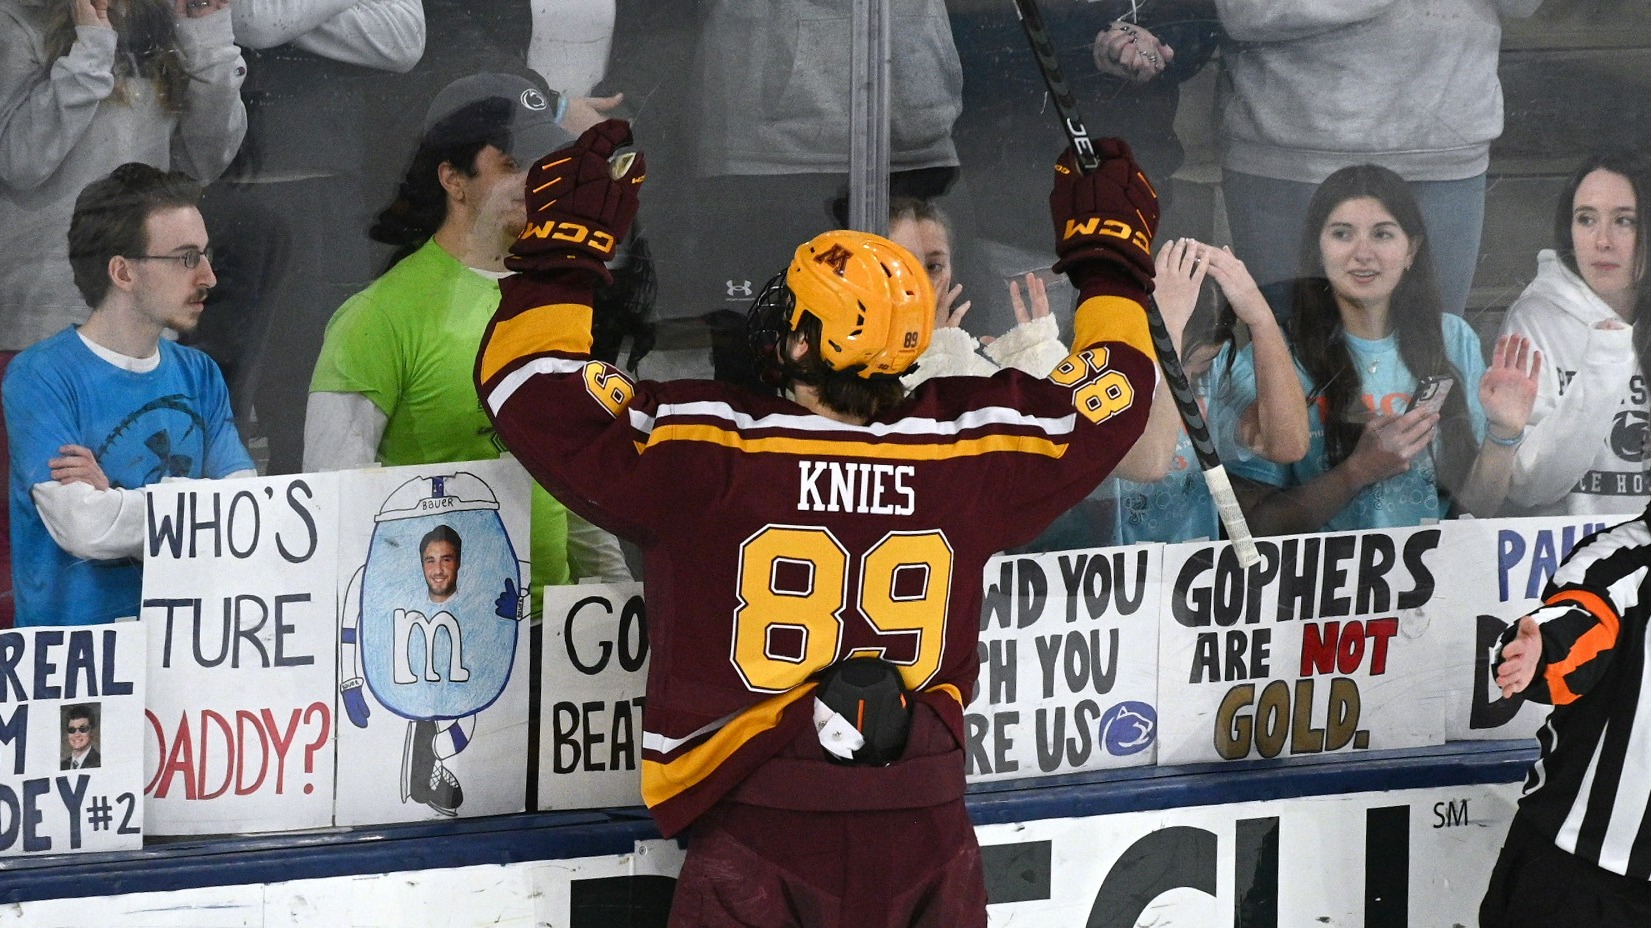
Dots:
pixel 1590 789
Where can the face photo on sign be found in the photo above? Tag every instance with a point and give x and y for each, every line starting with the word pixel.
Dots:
pixel 80 737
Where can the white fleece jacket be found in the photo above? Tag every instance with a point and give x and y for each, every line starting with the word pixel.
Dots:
pixel 1584 453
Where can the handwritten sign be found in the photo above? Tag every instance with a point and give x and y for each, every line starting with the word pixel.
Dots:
pixel 1500 570
pixel 71 750
pixel 1329 645
pixel 1067 650
pixel 238 594
pixel 595 662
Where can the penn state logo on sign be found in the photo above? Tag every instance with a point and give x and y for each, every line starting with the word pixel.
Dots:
pixel 1129 728
pixel 440 599
pixel 1628 435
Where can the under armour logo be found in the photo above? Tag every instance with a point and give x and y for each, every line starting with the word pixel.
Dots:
pixel 837 257
pixel 738 288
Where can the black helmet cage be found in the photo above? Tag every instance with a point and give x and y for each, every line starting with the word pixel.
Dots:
pixel 766 328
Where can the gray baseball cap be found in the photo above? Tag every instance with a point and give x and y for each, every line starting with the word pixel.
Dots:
pixel 489 107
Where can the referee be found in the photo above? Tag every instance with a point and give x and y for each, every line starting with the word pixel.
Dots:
pixel 1579 850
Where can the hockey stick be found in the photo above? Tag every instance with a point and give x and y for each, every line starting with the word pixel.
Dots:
pixel 1215 476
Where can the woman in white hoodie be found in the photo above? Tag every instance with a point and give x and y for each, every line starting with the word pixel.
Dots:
pixel 1584 451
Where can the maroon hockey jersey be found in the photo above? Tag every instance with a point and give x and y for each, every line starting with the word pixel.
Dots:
pixel 778 542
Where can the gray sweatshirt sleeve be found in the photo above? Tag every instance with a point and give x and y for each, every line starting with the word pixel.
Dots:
pixel 214 120
pixel 383 34
pixel 1288 20
pixel 44 112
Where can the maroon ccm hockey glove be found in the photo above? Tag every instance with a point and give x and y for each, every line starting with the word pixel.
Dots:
pixel 1108 215
pixel 580 203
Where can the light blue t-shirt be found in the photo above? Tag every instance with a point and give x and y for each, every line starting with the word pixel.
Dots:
pixel 1410 498
pixel 173 421
pixel 1179 507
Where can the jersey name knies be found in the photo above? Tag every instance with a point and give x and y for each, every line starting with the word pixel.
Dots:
pixel 855 486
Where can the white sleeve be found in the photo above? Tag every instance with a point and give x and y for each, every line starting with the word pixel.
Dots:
pixel 1568 429
pixel 383 34
pixel 951 353
pixel 97 525
pixel 595 554
pixel 1034 346
pixel 1288 20
pixel 341 431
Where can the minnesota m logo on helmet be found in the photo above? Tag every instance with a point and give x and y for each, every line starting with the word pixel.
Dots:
pixel 872 297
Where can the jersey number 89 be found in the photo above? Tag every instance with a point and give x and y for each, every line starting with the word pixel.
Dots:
pixel 794 586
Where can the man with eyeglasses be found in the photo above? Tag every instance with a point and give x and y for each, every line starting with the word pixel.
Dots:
pixel 78 727
pixel 100 410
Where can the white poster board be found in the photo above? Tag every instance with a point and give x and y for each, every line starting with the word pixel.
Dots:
pixel 238 595
pixel 1068 648
pixel 71 739
pixel 432 642
pixel 1331 644
pixel 595 672
pixel 1502 567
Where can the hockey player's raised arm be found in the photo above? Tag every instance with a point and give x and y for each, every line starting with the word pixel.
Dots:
pixel 562 414
pixel 1104 225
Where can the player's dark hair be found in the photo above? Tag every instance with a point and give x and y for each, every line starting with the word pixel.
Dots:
pixel 442 533
pixel 110 216
pixel 1637 169
pixel 146 47
pixel 1415 317
pixel 80 711
pixel 843 391
pixel 420 205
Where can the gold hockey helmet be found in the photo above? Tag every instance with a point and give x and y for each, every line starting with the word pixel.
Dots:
pixel 872 297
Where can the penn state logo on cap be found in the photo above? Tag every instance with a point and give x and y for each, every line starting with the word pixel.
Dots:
pixel 534 100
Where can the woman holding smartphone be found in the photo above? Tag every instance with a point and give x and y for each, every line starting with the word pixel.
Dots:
pixel 1585 451
pixel 1366 326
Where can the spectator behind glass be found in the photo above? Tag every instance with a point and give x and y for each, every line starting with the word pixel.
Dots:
pixel 290 211
pixel 1312 85
pixel 1367 322
pixel 101 410
pixel 393 382
pixel 773 93
pixel 1585 452
pixel 1033 345
pixel 85 86
pixel 1273 425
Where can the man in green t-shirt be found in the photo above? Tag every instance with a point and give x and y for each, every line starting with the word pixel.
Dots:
pixel 393 384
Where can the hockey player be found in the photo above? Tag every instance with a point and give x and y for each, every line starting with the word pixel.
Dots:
pixel 816 555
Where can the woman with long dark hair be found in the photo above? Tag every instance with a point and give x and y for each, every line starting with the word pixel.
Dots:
pixel 1585 449
pixel 1366 329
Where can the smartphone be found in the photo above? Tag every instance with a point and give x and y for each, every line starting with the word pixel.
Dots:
pixel 1431 392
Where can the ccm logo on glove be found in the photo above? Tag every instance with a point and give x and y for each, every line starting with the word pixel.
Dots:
pixel 1113 227
pixel 573 232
